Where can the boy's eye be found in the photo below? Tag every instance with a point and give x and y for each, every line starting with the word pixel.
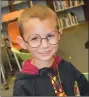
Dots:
pixel 35 38
pixel 50 35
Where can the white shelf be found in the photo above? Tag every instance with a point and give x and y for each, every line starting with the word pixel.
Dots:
pixel 69 8
pixel 74 25
pixel 18 2
pixel 71 26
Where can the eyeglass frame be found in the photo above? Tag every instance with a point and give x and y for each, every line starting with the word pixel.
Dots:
pixel 42 39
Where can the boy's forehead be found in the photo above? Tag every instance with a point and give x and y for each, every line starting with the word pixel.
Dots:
pixel 36 25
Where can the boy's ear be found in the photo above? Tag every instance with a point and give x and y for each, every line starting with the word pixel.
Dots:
pixel 21 42
pixel 60 30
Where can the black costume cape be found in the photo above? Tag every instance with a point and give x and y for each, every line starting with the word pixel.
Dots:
pixel 40 85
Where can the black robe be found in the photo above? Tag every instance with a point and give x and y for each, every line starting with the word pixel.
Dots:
pixel 40 85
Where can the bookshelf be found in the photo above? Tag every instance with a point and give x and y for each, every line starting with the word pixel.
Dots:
pixel 70 26
pixel 69 12
pixel 69 8
pixel 60 5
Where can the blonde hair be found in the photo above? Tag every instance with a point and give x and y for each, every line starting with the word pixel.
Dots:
pixel 36 11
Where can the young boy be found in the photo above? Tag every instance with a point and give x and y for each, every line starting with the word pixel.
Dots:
pixel 45 74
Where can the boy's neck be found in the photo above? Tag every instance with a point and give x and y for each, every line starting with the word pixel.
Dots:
pixel 42 64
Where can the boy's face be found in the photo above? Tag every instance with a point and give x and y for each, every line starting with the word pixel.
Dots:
pixel 37 33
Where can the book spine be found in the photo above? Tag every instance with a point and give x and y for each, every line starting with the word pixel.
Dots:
pixel 66 3
pixel 66 20
pixel 81 2
pixel 56 6
pixel 71 3
pixel 61 22
pixel 70 18
pixel 76 3
pixel 61 4
pixel 76 19
pixel 73 20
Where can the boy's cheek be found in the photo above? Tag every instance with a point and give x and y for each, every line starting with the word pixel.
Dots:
pixel 56 48
pixel 32 50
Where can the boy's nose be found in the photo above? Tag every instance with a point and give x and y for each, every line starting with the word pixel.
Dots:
pixel 44 43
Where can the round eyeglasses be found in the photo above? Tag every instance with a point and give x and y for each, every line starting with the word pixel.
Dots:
pixel 35 40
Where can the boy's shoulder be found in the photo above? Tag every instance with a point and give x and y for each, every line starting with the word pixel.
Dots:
pixel 64 64
pixel 67 68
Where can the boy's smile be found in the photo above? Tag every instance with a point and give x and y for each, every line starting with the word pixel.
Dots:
pixel 46 53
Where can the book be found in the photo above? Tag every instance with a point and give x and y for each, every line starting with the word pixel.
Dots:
pixel 56 4
pixel 75 19
pixel 61 4
pixel 64 4
pixel 61 23
pixel 80 2
pixel 67 22
pixel 70 18
pixel 75 2
pixel 67 3
pixel 72 15
pixel 64 22
pixel 71 4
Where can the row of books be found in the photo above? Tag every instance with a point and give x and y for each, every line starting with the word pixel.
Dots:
pixel 69 20
pixel 64 4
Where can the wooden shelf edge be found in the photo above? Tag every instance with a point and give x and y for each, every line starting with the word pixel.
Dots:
pixel 73 25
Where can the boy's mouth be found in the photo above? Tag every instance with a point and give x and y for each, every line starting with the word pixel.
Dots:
pixel 45 53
